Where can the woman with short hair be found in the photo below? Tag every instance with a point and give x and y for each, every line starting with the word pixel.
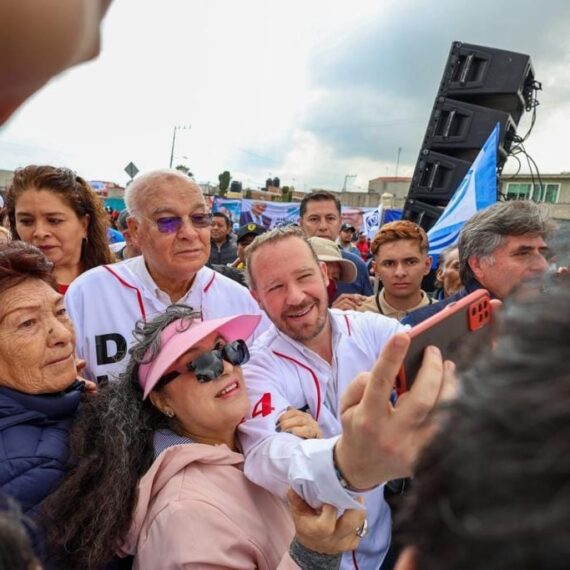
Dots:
pixel 39 390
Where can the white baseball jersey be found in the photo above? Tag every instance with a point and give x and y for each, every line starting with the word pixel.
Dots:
pixel 106 302
pixel 282 373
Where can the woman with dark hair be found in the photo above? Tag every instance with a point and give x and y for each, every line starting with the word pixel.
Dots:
pixel 58 212
pixel 159 467
pixel 39 391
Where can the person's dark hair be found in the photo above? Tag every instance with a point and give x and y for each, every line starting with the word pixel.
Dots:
pixel 20 261
pixel 112 443
pixel 78 195
pixel 226 218
pixel 15 548
pixel 231 272
pixel 318 196
pixel 484 232
pixel 491 491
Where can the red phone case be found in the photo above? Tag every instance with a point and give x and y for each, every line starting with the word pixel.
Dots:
pixel 446 330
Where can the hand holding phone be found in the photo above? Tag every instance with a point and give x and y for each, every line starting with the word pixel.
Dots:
pixel 448 330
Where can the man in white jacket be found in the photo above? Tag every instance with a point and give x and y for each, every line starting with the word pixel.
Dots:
pixel 307 360
pixel 170 222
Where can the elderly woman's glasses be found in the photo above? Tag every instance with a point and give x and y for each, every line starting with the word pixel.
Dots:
pixel 210 365
pixel 173 224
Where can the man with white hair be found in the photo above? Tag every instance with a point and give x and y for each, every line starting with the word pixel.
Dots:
pixel 170 223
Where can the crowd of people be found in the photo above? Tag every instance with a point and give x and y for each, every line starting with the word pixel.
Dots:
pixel 183 401
pixel 159 393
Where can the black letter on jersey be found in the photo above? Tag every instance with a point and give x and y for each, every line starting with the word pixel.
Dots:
pixel 103 356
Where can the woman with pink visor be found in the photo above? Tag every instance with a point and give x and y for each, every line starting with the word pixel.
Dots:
pixel 159 467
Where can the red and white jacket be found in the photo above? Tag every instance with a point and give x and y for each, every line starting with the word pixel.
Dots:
pixel 283 372
pixel 106 302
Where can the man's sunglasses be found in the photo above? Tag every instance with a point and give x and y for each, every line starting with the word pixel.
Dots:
pixel 210 365
pixel 172 224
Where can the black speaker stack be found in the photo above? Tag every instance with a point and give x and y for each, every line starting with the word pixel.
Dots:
pixel 480 87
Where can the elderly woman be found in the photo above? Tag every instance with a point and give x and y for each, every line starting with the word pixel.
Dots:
pixel 58 212
pixel 447 279
pixel 159 472
pixel 39 393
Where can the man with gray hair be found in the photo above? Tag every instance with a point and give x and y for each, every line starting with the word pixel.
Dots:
pixel 498 248
pixel 170 223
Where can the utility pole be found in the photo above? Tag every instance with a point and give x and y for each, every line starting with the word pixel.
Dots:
pixel 345 185
pixel 176 128
pixel 398 161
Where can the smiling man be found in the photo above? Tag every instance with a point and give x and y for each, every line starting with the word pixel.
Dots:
pixel 170 224
pixel 401 261
pixel 307 360
pixel 499 247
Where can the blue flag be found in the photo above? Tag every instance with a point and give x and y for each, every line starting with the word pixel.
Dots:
pixel 477 190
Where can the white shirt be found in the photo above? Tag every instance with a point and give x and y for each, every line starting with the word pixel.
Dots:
pixel 106 302
pixel 281 373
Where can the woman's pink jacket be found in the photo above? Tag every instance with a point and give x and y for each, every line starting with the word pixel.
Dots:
pixel 196 509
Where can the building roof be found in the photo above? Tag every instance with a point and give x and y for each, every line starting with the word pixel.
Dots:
pixel 392 179
pixel 506 177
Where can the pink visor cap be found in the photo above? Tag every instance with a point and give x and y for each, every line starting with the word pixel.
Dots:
pixel 176 339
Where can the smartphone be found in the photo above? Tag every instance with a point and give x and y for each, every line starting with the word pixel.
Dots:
pixel 448 330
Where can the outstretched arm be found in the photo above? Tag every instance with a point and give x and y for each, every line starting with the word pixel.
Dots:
pixel 381 441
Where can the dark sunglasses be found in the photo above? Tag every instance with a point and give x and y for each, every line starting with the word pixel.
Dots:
pixel 210 365
pixel 172 224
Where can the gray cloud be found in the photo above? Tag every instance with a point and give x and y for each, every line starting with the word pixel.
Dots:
pixel 379 83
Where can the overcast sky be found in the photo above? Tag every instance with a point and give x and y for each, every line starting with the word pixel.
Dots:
pixel 307 90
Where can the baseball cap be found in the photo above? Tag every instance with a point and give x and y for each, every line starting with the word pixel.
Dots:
pixel 177 338
pixel 252 228
pixel 347 227
pixel 327 250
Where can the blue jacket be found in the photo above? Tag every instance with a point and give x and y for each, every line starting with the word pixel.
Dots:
pixel 362 284
pixel 420 315
pixel 34 445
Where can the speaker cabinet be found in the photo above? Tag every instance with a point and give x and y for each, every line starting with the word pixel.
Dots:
pixel 437 173
pixel 490 77
pixel 461 129
pixel 480 87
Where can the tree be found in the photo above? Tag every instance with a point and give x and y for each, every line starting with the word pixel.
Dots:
pixel 224 179
pixel 287 194
pixel 183 168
